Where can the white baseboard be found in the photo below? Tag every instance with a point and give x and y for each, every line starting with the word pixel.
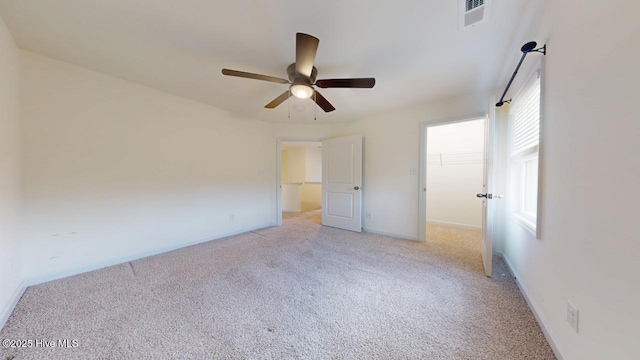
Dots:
pixel 462 226
pixel 13 301
pixel 39 279
pixel 385 233
pixel 546 330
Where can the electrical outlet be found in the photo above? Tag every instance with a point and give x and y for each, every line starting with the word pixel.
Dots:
pixel 572 316
pixel 367 215
pixel 232 217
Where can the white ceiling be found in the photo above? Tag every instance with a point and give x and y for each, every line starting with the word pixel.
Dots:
pixel 413 48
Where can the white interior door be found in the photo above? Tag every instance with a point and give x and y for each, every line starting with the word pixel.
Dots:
pixel 342 182
pixel 488 198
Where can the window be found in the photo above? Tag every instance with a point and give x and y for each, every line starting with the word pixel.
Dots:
pixel 524 125
pixel 530 191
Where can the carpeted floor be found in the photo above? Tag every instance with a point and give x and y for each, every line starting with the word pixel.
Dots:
pixel 299 291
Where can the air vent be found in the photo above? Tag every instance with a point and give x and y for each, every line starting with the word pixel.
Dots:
pixel 472 4
pixel 473 11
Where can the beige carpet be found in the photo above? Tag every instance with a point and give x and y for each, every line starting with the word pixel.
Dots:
pixel 300 291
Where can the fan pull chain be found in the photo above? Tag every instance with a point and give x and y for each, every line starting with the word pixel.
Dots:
pixel 315 108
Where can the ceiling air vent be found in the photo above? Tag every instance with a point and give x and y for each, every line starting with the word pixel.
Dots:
pixel 472 4
pixel 473 12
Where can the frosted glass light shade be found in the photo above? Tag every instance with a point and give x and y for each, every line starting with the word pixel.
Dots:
pixel 301 91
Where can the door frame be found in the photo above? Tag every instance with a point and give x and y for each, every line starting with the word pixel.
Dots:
pixel 422 182
pixel 279 141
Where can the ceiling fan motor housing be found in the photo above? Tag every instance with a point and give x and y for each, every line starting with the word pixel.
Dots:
pixel 297 78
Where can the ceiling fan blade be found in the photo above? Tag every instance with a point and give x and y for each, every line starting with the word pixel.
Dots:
pixel 279 100
pixel 322 102
pixel 306 48
pixel 363 83
pixel 247 75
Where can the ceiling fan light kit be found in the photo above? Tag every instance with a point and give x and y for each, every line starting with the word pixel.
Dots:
pixel 302 76
pixel 301 91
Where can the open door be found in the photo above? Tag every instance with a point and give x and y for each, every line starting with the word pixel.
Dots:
pixel 341 183
pixel 487 196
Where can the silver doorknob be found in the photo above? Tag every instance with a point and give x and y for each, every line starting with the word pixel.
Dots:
pixel 356 188
pixel 490 196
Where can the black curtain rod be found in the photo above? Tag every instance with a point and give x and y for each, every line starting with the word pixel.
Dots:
pixel 526 48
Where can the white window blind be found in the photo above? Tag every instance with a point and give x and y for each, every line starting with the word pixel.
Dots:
pixel 525 112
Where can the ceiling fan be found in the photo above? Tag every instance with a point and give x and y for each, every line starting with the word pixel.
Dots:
pixel 302 76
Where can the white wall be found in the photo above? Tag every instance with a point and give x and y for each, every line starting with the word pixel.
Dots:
pixel 454 173
pixel 10 165
pixel 311 196
pixel 293 173
pixel 285 170
pixel 589 251
pixel 113 169
pixel 313 164
pixel 302 164
pixel 293 164
pixel 312 188
pixel 391 160
pixel 291 193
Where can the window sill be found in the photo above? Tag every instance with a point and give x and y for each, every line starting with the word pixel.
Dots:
pixel 525 222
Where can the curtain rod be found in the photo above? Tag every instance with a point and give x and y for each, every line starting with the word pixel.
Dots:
pixel 526 48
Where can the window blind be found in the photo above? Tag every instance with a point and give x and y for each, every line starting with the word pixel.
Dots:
pixel 525 114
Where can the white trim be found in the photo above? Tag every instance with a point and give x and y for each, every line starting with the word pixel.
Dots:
pixel 541 65
pixel 13 301
pixel 546 330
pixel 386 233
pixel 522 221
pixel 422 166
pixel 39 279
pixel 526 153
pixel 456 225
